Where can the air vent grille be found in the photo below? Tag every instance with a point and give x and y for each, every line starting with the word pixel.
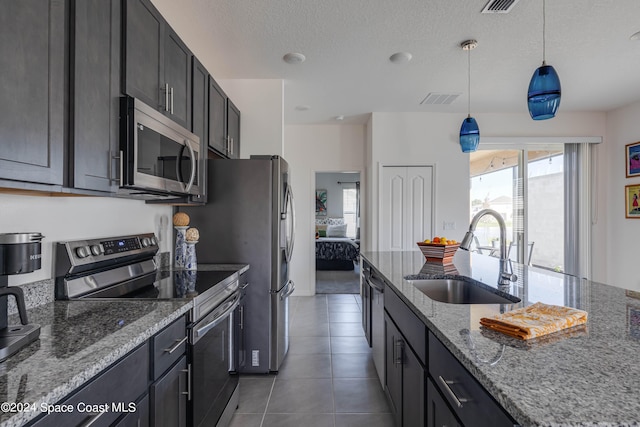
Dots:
pixel 434 98
pixel 499 6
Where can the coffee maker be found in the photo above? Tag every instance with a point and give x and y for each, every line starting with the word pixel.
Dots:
pixel 19 253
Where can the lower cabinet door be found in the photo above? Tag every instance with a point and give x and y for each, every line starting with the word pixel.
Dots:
pixel 139 418
pixel 393 372
pixel 168 397
pixel 438 413
pixel 413 390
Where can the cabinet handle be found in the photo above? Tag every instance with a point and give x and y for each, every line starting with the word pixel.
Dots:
pixel 188 372
pixel 459 401
pixel 92 420
pixel 171 100
pixel 166 97
pixel 242 317
pixel 397 352
pixel 175 347
pixel 112 157
pixel 231 147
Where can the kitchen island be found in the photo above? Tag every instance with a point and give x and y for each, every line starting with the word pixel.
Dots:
pixel 582 376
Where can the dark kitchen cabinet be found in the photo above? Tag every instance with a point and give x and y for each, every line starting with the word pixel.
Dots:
pixel 224 123
pixel 169 396
pixel 95 94
pixel 469 400
pixel 200 101
pixel 138 418
pixel 233 130
pixel 120 384
pixel 157 64
pixel 439 413
pixel 33 57
pixel 404 379
pixel 217 118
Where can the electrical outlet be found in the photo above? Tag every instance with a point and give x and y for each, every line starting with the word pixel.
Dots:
pixel 255 358
pixel 446 225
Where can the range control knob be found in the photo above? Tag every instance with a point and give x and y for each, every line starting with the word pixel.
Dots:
pixel 96 250
pixel 154 242
pixel 83 251
pixel 145 242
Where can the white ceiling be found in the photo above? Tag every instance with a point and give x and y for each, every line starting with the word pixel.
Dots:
pixel 348 43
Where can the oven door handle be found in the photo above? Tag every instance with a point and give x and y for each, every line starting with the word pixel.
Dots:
pixel 228 308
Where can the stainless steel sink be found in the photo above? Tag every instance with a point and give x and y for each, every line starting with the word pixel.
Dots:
pixel 455 291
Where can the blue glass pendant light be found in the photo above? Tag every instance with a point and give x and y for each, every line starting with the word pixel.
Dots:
pixel 469 131
pixel 543 97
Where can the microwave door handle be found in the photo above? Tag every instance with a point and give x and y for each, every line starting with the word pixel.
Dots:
pixel 194 164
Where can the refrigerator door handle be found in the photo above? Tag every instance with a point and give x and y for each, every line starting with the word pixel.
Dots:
pixel 290 234
pixel 288 290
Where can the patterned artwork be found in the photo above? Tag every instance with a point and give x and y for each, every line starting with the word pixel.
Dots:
pixel 321 202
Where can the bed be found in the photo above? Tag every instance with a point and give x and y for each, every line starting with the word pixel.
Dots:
pixel 336 253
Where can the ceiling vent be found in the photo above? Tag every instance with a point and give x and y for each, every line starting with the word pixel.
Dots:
pixel 434 98
pixel 499 6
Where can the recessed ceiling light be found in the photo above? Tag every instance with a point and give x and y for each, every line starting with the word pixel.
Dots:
pixel 400 57
pixel 294 58
pixel 635 36
pixel 339 118
pixel 302 107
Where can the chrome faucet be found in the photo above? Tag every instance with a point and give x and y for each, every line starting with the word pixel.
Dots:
pixel 505 276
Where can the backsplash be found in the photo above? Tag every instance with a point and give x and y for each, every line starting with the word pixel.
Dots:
pixel 42 291
pixel 73 218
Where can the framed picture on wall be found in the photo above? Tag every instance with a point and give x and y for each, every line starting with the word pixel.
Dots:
pixel 321 202
pixel 632 200
pixel 633 159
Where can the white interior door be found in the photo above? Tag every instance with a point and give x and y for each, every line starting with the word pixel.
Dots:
pixel 406 207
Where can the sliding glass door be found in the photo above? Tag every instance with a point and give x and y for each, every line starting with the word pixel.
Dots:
pixel 526 187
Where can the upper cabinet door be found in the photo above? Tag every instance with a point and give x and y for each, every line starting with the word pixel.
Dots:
pixel 96 94
pixel 32 89
pixel 217 118
pixel 200 103
pixel 144 28
pixel 177 77
pixel 233 130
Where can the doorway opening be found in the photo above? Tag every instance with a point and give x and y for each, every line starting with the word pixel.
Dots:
pixel 337 232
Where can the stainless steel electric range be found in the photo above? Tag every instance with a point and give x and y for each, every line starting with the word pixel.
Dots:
pixel 124 267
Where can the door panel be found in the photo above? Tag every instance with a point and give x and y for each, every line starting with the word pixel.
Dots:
pixel 406 204
pixel 177 74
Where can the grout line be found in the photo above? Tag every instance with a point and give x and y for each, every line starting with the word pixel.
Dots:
pixel 264 414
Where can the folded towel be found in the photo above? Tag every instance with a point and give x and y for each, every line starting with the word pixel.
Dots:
pixel 535 320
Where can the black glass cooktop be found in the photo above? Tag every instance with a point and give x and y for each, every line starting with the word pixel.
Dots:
pixel 180 284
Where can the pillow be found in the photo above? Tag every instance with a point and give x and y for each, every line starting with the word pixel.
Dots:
pixel 335 221
pixel 337 230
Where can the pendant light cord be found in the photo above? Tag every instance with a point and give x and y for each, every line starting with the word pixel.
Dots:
pixel 544 32
pixel 469 82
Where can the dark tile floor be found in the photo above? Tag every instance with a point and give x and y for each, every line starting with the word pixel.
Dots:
pixel 327 379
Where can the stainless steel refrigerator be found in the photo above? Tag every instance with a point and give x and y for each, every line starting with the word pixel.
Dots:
pixel 249 218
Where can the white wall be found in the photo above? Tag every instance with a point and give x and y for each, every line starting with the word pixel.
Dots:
pixel 310 149
pixel 261 104
pixel 432 138
pixel 329 182
pixel 622 236
pixel 72 218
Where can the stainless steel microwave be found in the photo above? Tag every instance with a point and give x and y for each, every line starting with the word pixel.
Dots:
pixel 158 157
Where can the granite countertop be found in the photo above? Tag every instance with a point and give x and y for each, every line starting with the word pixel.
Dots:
pixel 583 376
pixel 79 339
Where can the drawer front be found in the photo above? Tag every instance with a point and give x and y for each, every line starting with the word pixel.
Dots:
pixel 414 331
pixel 469 400
pixel 167 346
pixel 122 383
